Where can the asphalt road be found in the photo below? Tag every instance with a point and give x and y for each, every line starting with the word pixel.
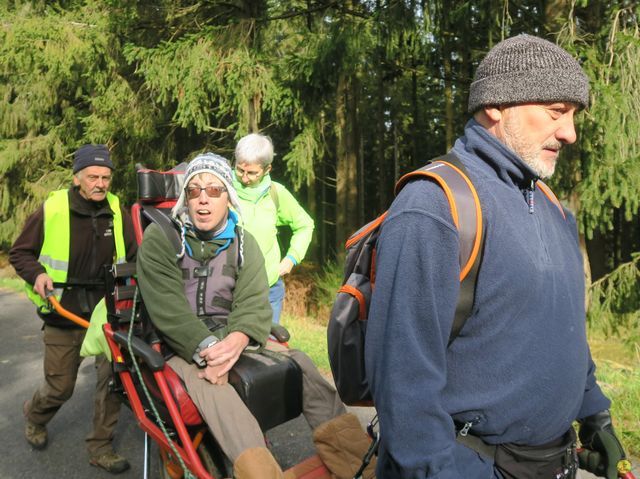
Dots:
pixel 66 457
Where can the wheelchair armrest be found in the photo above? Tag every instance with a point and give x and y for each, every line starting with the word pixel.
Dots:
pixel 280 333
pixel 151 357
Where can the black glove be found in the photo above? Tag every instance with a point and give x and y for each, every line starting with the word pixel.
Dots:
pixel 601 448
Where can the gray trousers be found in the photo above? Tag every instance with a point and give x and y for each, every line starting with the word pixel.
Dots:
pixel 229 420
pixel 61 363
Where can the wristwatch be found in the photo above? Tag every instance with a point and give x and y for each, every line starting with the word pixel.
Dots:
pixel 204 344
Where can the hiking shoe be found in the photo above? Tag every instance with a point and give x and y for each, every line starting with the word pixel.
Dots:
pixel 35 434
pixel 111 462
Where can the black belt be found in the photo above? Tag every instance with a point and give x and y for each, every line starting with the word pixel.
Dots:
pixel 478 445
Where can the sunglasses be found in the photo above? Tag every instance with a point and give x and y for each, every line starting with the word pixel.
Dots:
pixel 194 192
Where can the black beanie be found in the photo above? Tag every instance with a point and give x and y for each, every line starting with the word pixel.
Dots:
pixel 528 69
pixel 91 155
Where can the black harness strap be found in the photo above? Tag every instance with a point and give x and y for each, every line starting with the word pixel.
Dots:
pixel 164 221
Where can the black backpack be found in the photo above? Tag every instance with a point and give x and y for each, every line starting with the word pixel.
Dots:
pixel 348 320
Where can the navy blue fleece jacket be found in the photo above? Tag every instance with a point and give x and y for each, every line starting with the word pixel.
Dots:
pixel 521 369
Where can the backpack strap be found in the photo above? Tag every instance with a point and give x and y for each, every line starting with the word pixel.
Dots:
pixel 274 195
pixel 451 175
pixel 551 196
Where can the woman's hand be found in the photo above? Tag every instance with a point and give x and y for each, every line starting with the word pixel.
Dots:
pixel 224 354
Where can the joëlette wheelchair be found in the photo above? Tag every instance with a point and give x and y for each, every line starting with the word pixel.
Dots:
pixel 270 386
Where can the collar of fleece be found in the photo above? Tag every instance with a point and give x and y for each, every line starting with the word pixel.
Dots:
pixel 252 194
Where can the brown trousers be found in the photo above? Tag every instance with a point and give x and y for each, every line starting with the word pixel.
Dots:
pixel 61 363
pixel 229 420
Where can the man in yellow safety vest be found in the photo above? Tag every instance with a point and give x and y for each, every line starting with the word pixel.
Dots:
pixel 63 248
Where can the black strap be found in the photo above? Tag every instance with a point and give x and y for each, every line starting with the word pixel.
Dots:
pixel 80 283
pixel 478 445
pixel 162 219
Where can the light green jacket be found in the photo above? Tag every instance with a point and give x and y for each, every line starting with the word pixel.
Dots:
pixel 260 217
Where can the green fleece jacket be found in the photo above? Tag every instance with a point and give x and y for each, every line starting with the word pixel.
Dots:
pixel 261 217
pixel 162 289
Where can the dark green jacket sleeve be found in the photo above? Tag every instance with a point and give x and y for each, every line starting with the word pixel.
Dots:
pixel 251 311
pixel 162 289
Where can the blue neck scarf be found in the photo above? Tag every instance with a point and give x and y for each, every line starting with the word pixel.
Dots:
pixel 227 233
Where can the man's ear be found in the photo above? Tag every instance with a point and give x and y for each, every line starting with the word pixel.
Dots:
pixel 493 113
pixel 76 181
pixel 488 116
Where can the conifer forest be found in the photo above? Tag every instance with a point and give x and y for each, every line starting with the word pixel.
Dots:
pixel 354 93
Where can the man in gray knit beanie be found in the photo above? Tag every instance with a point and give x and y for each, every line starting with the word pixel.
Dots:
pixel 501 398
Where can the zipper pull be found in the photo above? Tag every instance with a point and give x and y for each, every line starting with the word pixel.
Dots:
pixel 530 192
pixel 465 429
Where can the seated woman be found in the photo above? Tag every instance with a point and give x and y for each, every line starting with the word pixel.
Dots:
pixel 220 274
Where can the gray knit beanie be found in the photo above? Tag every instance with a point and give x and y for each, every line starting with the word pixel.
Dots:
pixel 528 69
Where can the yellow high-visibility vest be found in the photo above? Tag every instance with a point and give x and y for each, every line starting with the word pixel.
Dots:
pixel 54 254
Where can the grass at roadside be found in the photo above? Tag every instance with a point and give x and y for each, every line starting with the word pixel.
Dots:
pixel 618 372
pixel 8 278
pixel 623 388
pixel 310 337
pixel 12 284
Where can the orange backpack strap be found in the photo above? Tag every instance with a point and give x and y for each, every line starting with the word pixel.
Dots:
pixel 551 196
pixel 449 172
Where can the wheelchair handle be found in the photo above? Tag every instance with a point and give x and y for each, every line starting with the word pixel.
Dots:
pixel 64 312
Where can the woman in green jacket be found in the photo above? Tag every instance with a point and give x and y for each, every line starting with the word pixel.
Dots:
pixel 265 206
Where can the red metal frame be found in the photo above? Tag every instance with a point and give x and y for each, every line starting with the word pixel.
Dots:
pixel 310 468
pixel 187 451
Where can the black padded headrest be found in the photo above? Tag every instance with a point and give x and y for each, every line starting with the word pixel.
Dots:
pixel 157 186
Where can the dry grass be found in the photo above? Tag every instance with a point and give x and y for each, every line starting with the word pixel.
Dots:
pixel 302 293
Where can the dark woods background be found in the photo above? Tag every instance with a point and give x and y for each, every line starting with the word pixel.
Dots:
pixel 353 93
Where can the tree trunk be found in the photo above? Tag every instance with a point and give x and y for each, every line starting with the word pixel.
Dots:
pixel 347 162
pixel 379 145
pixel 446 49
pixel 254 114
pixel 381 166
pixel 312 208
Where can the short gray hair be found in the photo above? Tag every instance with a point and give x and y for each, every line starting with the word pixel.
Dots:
pixel 254 149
